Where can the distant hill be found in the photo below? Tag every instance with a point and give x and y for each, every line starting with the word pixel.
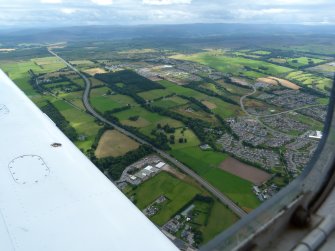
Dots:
pixel 38 35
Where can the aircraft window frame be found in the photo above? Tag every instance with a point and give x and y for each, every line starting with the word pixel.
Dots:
pixel 305 189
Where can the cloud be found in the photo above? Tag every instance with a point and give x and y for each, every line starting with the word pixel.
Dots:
pixel 68 11
pixel 166 2
pixel 261 12
pixel 52 1
pixel 82 12
pixel 102 2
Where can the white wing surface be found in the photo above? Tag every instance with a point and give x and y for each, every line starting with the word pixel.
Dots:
pixel 54 198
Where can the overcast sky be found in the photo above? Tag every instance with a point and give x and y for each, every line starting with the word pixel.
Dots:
pixel 37 13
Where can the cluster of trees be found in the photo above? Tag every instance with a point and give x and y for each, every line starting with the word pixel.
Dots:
pixel 115 166
pixel 166 128
pixel 134 118
pixel 196 125
pixel 159 142
pixel 197 102
pixel 132 81
pixel 161 139
pixel 60 121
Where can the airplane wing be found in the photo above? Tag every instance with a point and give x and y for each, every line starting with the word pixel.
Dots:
pixel 52 197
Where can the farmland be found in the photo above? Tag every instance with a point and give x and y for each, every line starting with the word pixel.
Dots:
pixel 146 118
pixel 155 94
pixel 310 80
pixel 83 123
pixel 103 101
pixel 114 144
pixel 93 71
pixel 210 105
pixel 235 65
pixel 179 193
pixel 206 164
pixel 252 174
pixel 325 69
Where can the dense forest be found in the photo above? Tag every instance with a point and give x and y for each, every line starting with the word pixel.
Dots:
pixel 129 80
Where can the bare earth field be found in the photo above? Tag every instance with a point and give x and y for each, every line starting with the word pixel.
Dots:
pixel 268 81
pixel 240 81
pixel 94 71
pixel 244 171
pixel 114 144
pixel 286 83
pixel 275 81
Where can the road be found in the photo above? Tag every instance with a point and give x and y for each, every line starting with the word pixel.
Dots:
pixel 258 117
pixel 224 199
pixel 269 115
pixel 245 96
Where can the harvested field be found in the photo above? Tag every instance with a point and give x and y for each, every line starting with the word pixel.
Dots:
pixel 240 81
pixel 94 71
pixel 114 144
pixel 174 172
pixel 268 81
pixel 244 171
pixel 209 104
pixel 286 83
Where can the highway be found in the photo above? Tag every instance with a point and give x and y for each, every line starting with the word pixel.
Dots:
pixel 224 199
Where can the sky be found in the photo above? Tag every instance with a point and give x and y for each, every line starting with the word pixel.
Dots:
pixel 44 13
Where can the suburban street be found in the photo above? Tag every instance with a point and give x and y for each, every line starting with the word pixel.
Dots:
pixel 224 199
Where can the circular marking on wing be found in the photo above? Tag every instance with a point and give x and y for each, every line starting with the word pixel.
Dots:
pixel 28 169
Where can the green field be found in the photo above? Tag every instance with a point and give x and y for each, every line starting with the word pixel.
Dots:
pixel 155 94
pixel 59 86
pixel 49 64
pixel 206 163
pixel 102 102
pixel 192 139
pixel 326 69
pixel 303 61
pixel 244 54
pixel 73 97
pixel 83 123
pixel 233 65
pixel 179 194
pixel 200 161
pixel 310 80
pixel 221 218
pixel 193 111
pixel 253 74
pixel 260 52
pixel 18 71
pixel 223 109
pixel 170 102
pixel 147 120
pixel 237 189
